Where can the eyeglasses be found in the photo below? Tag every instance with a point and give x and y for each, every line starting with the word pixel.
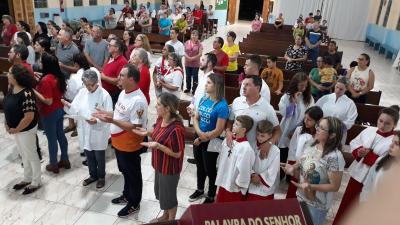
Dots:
pixel 317 127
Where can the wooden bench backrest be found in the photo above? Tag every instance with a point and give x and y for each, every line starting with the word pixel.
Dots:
pixel 368 114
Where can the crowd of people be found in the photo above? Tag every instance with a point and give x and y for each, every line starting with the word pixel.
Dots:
pixel 104 90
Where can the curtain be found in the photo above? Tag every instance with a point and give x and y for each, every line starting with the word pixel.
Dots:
pixel 347 20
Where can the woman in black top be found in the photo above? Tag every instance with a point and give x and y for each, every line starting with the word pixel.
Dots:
pixel 41 31
pixel 21 121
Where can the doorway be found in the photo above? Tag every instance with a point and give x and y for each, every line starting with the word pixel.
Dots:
pixel 248 9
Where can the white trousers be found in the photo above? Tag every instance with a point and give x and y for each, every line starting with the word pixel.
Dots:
pixel 26 144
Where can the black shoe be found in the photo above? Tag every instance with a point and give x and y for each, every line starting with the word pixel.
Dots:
pixel 82 154
pixel 84 163
pixel 208 200
pixel 21 185
pixel 101 183
pixel 88 181
pixel 127 210
pixel 196 195
pixel 30 189
pixel 74 133
pixel 121 200
pixel 186 91
pixel 192 161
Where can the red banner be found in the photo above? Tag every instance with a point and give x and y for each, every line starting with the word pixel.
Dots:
pixel 284 212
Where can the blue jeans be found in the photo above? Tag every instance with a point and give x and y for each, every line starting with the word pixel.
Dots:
pixel 53 127
pixel 96 163
pixel 192 72
pixel 318 216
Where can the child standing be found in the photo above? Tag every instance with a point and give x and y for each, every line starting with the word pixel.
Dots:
pixel 264 179
pixel 328 76
pixel 234 171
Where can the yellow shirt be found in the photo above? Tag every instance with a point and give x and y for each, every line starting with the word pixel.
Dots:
pixel 272 77
pixel 327 75
pixel 230 51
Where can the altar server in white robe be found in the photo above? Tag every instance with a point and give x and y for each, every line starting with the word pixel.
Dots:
pixel 302 136
pixel 367 148
pixel 235 164
pixel 292 107
pixel 265 176
pixel 339 105
pixel 93 132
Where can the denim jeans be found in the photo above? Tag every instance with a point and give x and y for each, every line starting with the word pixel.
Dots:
pixel 318 216
pixel 192 72
pixel 53 126
pixel 96 163
pixel 313 53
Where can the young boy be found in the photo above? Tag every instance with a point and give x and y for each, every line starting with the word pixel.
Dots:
pixel 265 178
pixel 273 76
pixel 234 171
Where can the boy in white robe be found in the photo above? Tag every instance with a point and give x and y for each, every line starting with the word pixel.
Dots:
pixel 234 171
pixel 265 176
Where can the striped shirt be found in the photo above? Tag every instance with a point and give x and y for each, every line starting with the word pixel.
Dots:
pixel 171 136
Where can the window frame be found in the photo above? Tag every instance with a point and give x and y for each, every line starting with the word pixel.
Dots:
pixel 93 2
pixel 78 5
pixel 40 4
pixel 387 13
pixel 115 2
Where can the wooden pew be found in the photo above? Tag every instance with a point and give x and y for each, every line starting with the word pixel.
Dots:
pixel 4 64
pixel 189 130
pixel 4 51
pixel 231 93
pixel 267 27
pixel 3 87
pixel 368 114
pixel 374 97
pixel 353 132
pixel 231 80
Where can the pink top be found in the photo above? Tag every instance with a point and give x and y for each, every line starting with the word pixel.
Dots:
pixel 192 49
pixel 256 25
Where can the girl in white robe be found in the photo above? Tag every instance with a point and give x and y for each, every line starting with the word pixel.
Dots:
pixel 302 136
pixel 93 133
pixel 292 107
pixel 265 176
pixel 367 148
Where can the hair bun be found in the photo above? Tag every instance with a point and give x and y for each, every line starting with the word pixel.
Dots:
pixel 395 107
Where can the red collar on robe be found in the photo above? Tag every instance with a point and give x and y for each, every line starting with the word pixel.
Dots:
pixel 241 139
pixel 383 134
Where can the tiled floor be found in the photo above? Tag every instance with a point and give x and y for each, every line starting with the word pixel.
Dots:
pixel 63 200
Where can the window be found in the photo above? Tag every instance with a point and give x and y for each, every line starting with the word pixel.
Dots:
pixel 92 2
pixel 379 12
pixel 78 3
pixel 385 19
pixel 40 3
pixel 114 2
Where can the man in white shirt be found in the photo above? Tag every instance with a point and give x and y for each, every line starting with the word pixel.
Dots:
pixel 174 42
pixel 130 112
pixel 252 67
pixel 255 106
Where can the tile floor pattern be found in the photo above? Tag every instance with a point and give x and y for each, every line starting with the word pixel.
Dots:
pixel 63 200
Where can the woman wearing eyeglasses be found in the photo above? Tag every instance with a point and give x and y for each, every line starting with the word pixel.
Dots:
pixel 362 79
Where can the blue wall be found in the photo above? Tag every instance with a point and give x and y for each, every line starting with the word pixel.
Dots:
pixel 383 39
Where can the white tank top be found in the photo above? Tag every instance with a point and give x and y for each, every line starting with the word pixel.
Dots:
pixel 359 79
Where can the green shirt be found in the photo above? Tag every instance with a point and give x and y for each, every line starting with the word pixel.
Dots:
pixel 314 75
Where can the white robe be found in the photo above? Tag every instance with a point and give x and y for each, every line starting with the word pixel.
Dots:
pixel 298 143
pixel 374 178
pixel 234 171
pixel 368 138
pixel 268 170
pixel 91 137
pixel 344 108
pixel 292 116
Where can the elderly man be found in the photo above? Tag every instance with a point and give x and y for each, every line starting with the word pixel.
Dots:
pixel 96 49
pixel 92 132
pixel 130 112
pixel 65 51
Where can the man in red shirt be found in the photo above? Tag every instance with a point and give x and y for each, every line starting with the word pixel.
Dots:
pixel 222 57
pixel 197 14
pixel 127 8
pixel 112 68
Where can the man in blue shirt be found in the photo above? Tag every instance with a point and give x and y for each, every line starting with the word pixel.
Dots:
pixel 313 40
